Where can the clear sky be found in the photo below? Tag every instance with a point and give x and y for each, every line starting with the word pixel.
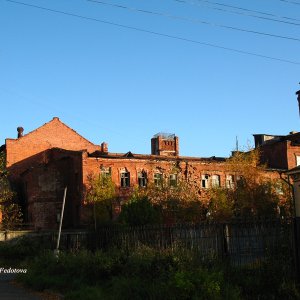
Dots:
pixel 122 74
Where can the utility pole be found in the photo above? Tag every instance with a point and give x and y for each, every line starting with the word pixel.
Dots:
pixel 296 195
pixel 298 98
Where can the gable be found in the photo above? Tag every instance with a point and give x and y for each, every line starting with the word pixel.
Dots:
pixel 54 134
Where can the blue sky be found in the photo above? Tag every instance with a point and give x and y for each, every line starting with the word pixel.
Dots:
pixel 122 85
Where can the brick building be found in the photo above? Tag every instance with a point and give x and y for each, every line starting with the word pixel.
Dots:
pixel 43 162
pixel 279 151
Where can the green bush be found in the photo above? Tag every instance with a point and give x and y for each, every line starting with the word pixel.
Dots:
pixel 267 281
pixel 20 249
pixel 140 211
pixel 148 274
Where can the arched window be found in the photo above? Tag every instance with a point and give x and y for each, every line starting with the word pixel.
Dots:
pixel 205 181
pixel 173 180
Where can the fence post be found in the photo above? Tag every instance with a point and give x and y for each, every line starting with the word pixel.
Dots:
pixel 225 238
pixel 225 242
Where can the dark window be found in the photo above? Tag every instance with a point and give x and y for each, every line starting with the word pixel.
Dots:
pixel 158 179
pixel 142 179
pixel 125 179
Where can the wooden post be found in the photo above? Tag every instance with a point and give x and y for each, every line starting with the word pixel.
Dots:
pixel 56 251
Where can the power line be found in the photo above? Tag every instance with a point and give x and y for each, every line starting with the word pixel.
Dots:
pixel 157 33
pixel 292 2
pixel 246 9
pixel 198 21
pixel 243 13
pixel 53 109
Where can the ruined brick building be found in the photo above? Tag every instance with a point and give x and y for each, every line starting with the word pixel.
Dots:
pixel 43 162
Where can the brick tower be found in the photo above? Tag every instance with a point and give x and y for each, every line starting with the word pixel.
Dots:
pixel 165 144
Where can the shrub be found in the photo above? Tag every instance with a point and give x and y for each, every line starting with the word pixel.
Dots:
pixel 20 249
pixel 149 274
pixel 140 211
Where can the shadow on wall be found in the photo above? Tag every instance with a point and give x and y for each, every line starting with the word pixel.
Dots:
pixel 40 181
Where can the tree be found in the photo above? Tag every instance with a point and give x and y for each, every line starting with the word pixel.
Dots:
pixel 102 194
pixel 176 204
pixel 255 193
pixel 10 212
pixel 140 211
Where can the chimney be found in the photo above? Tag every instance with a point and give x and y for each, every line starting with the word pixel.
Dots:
pixel 20 131
pixel 293 132
pixel 104 147
pixel 298 98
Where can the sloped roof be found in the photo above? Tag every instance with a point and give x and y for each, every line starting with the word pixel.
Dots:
pixel 56 119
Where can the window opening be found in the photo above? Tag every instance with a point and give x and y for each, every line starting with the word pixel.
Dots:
pixel 158 179
pixel 205 181
pixel 125 179
pixel 173 180
pixel 142 179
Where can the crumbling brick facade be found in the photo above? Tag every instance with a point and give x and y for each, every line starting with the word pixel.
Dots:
pixel 44 161
pixel 43 189
pixel 279 152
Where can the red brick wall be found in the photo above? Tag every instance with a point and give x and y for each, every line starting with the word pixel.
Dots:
pixel 292 153
pixel 165 147
pixel 21 152
pixel 190 170
pixel 275 155
pixel 43 189
pixel 193 170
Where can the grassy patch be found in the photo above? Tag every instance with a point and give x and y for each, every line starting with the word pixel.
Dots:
pixel 149 274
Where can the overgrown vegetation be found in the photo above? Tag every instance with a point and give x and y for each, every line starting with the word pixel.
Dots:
pixel 10 211
pixel 251 194
pixel 101 194
pixel 17 251
pixel 148 274
pixel 145 273
pixel 162 204
pixel 254 193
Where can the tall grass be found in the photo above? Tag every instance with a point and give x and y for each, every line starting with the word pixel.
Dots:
pixel 149 274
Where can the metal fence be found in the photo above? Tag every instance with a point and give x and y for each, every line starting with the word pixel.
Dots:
pixel 239 243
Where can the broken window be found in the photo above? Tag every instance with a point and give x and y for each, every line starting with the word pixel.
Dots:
pixel 205 181
pixel 125 179
pixel 142 179
pixel 173 180
pixel 279 188
pixel 215 181
pixel 240 181
pixel 158 179
pixel 230 181
pixel 105 171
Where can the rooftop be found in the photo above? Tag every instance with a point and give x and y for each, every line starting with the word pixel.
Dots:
pixel 164 135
